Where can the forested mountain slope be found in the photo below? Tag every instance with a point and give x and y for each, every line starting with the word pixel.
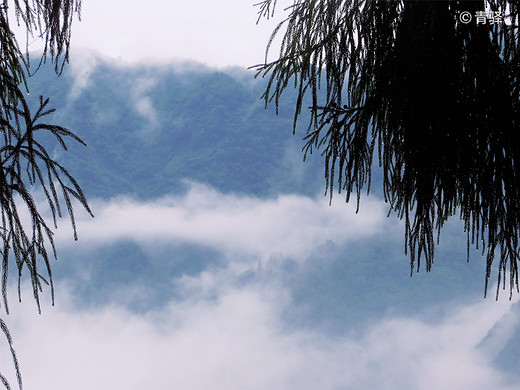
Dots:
pixel 149 129
pixel 153 130
pixel 188 173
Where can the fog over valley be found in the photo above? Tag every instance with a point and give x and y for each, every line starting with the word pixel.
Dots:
pixel 215 260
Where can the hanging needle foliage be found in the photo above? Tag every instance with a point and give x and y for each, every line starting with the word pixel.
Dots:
pixel 435 95
pixel 25 163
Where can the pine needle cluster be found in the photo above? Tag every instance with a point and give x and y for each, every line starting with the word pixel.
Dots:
pixel 436 96
pixel 25 163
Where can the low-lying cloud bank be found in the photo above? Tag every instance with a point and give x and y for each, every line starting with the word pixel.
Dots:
pixel 290 224
pixel 234 340
pixel 220 334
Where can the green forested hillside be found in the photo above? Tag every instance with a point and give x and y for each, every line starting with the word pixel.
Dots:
pixel 208 128
pixel 148 128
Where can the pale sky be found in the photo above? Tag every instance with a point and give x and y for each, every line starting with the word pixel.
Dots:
pixel 218 33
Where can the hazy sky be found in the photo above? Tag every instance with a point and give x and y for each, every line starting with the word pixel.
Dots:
pixel 219 33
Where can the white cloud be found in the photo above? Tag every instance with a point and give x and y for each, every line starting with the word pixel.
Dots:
pixel 142 102
pixel 81 70
pixel 235 340
pixel 290 224
pixel 220 335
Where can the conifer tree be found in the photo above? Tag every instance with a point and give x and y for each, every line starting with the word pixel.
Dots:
pixel 25 162
pixel 434 88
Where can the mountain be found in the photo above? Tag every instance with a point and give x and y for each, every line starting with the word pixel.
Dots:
pixel 174 140
pixel 148 128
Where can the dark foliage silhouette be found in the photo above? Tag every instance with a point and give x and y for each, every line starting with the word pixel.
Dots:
pixel 437 98
pixel 25 162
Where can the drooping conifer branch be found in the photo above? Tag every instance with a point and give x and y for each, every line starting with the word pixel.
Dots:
pixel 24 161
pixel 438 98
